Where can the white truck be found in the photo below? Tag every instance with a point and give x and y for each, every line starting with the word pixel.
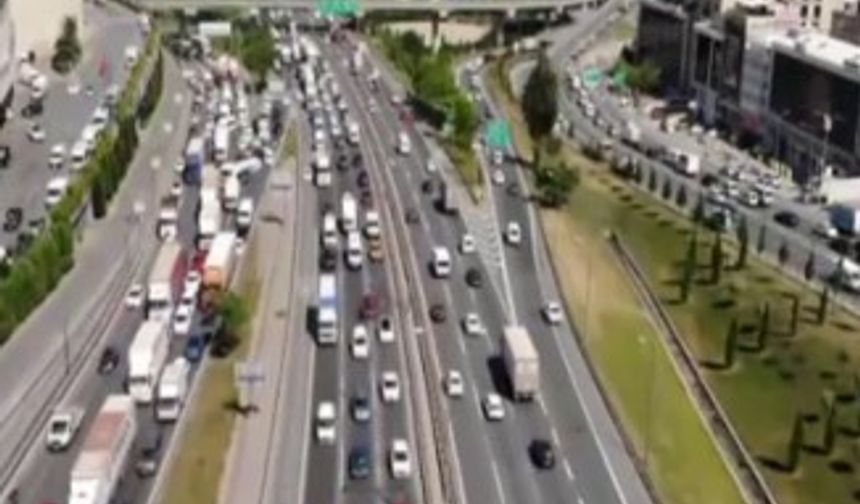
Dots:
pixel 62 428
pixel 172 390
pixel 221 142
pixel 105 452
pixel 165 281
pixel 209 218
pixel 348 213
pixel 219 263
pixel 146 358
pixel 521 362
pixel 327 319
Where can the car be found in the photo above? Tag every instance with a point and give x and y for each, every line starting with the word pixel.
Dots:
pixel 134 296
pixel 498 157
pixel 5 156
pixel 454 383
pixel 472 324
pixel 108 361
pixel 57 156
pixel 542 454
pixel 467 244
pixel 385 330
pixel 14 217
pixel 146 465
pixel 553 313
pixel 325 423
pixel 194 348
pixel 399 460
pixel 389 387
pixel 328 260
pixel 498 177
pixel 370 308
pixel 360 408
pixel 32 108
pixel 360 463
pixel 176 189
pixel 513 233
pixel 35 133
pixel 825 230
pixel 427 187
pixel 363 179
pixel 360 344
pixel 375 251
pixel 787 219
pixel 193 281
pixel 437 313
pixel 431 166
pixel 494 409
pixel 412 216
pixel 182 320
pixel 474 278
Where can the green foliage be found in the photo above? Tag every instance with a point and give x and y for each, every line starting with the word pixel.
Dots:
pixel 540 99
pixel 67 48
pixel 644 76
pixel 234 313
pixel 257 50
pixel 555 183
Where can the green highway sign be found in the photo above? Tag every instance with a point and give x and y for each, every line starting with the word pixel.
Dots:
pixel 338 8
pixel 498 134
pixel 591 77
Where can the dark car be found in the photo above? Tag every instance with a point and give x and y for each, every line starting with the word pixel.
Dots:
pixel 366 198
pixel 360 463
pixel 363 179
pixel 427 186
pixel 357 160
pixel 13 219
pixel 342 162
pixel 841 245
pixel 108 361
pixel 194 348
pixel 5 156
pixel 360 408
pixel 328 260
pixel 474 278
pixel 437 313
pixel 147 463
pixel 412 216
pixel 787 219
pixel 32 109
pixel 542 454
pixel 371 307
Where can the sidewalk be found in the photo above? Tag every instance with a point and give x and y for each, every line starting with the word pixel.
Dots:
pixel 33 363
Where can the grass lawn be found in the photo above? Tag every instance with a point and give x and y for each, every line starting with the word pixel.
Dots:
pixel 633 364
pixel 195 475
pixel 764 390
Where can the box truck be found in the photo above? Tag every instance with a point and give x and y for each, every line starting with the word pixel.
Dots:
pixel 105 452
pixel 326 327
pixel 165 281
pixel 219 263
pixel 521 362
pixel 146 358
pixel 172 390
pixel 348 213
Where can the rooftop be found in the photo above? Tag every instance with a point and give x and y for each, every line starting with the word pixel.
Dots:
pixel 816 47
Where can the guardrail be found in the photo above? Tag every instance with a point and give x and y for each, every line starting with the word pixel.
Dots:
pixel 370 5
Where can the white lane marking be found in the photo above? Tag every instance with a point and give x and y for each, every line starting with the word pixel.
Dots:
pixel 155 163
pixel 498 481
pixel 555 437
pixel 309 395
pixel 568 470
pixel 168 127
pixel 542 406
pixel 580 500
pixel 177 98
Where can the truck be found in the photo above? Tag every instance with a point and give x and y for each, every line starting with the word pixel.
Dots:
pixel 846 219
pixel 209 218
pixel 327 319
pixel 172 390
pixel 348 213
pixel 195 157
pixel 167 226
pixel 165 280
pixel 521 362
pixel 221 142
pixel 446 203
pixel 62 428
pixel 147 356
pixel 105 452
pixel 219 263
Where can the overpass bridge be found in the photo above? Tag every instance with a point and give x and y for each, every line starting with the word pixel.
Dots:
pixel 442 6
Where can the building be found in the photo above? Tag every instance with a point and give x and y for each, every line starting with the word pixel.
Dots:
pixel 845 24
pixel 7 58
pixel 38 23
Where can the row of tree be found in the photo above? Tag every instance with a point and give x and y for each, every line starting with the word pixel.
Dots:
pixel 26 280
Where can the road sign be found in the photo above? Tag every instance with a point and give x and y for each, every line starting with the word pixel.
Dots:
pixel 592 77
pixel 338 8
pixel 498 134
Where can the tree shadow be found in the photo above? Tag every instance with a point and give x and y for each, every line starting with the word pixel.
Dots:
pixel 773 464
pixel 724 304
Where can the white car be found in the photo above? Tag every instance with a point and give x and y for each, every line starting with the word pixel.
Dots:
pixel 498 157
pixel 472 324
pixel 326 420
pixel 36 133
pixel 385 331
pixel 182 320
pixel 360 347
pixel 176 189
pixel 57 156
pixel 467 244
pixel 193 281
pixel 498 177
pixel 494 409
pixel 389 387
pixel 431 166
pixel 513 233
pixel 553 313
pixel 134 297
pixel 825 230
pixel 399 459
pixel 454 383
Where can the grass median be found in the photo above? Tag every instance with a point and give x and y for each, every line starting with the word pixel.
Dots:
pixel 195 474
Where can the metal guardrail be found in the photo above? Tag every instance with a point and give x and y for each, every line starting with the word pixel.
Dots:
pixel 745 471
pixel 369 5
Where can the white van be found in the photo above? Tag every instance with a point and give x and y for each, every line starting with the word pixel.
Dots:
pixel 79 155
pixel 441 262
pixel 56 190
pixel 329 231
pixel 354 251
pixel 404 145
pixel 326 419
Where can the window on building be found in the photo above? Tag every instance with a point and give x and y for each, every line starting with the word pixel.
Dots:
pixel 804 11
pixel 816 11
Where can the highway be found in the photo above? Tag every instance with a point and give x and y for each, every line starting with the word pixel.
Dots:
pixel 368 5
pixel 500 450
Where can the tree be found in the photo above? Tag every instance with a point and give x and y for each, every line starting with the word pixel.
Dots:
pixel 644 77
pixel 67 48
pixel 554 184
pixel 717 259
pixel 809 267
pixel 823 305
pixel 465 121
pixel 540 99
pixel 667 188
pixel 743 243
pixel 99 196
pixel 257 51
pixel 234 314
pixel 762 239
pixel 783 254
pixel 681 196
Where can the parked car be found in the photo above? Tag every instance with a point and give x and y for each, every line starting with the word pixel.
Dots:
pixel 108 361
pixel 13 218
pixel 542 454
pixel 787 219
